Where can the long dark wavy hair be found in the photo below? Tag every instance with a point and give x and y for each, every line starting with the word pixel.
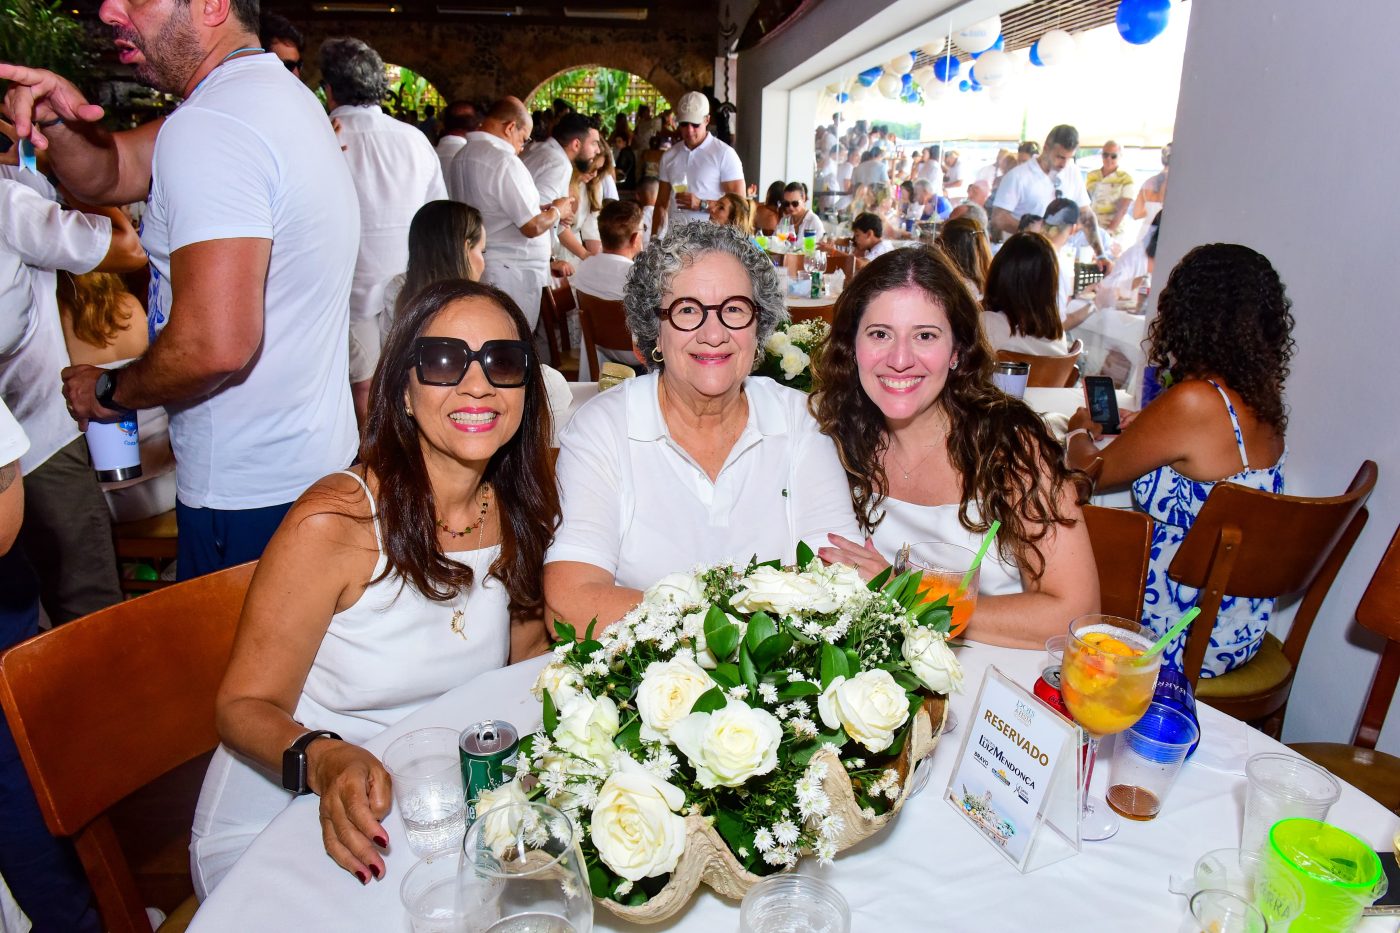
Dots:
pixel 1008 463
pixel 1023 283
pixel 1223 313
pixel 437 241
pixel 520 472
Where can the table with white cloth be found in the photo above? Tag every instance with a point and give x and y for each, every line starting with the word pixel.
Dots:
pixel 1113 346
pixel 928 871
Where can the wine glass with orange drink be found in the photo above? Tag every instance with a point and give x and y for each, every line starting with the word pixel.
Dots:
pixel 1108 675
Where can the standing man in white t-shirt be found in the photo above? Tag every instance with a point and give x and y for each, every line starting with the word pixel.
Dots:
pixel 395 171
pixel 457 121
pixel 697 171
pixel 252 230
pixel 571 146
pixel 488 175
pixel 1031 186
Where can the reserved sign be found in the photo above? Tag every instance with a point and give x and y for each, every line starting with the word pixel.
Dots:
pixel 1018 767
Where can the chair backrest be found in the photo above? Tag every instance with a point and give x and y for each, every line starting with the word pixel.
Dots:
pixel 1122 543
pixel 825 312
pixel 1255 544
pixel 548 319
pixel 1052 372
pixel 107 703
pixel 1379 611
pixel 604 324
pixel 845 262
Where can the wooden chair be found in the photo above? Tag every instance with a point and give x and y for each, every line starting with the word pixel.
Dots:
pixel 107 704
pixel 549 324
pixel 604 325
pixel 824 312
pixel 845 262
pixel 1122 543
pixel 1048 371
pixel 151 540
pixel 1375 773
pixel 554 320
pixel 1258 545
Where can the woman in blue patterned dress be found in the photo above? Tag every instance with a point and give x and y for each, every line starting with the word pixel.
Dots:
pixel 1223 331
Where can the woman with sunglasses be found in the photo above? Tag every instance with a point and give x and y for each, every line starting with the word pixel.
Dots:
pixel 699 461
pixel 803 221
pixel 935 451
pixel 389 583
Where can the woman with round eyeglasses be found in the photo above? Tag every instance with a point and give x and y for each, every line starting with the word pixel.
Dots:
pixel 389 583
pixel 699 461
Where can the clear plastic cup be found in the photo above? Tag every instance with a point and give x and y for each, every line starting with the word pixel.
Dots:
pixel 1340 875
pixel 428 792
pixel 1278 897
pixel 1148 758
pixel 429 894
pixel 1221 912
pixel 1283 785
pixel 794 904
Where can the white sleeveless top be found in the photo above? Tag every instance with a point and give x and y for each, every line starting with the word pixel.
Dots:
pixel 907 523
pixel 381 659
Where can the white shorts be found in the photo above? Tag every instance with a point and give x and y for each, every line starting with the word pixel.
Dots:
pixel 365 344
pixel 523 280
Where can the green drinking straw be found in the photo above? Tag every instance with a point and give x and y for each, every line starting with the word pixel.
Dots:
pixel 981 553
pixel 1176 629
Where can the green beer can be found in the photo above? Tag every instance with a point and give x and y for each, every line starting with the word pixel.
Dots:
pixel 487 750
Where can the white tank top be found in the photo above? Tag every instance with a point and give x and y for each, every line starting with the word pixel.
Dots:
pixel 395 649
pixel 907 523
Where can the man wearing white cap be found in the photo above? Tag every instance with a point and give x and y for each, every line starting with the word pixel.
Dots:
pixel 700 170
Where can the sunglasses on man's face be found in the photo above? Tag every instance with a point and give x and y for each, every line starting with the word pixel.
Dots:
pixel 293 64
pixel 691 125
pixel 444 361
pixel 793 204
pixel 1110 155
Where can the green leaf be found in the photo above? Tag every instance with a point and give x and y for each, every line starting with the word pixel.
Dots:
pixel 588 633
pixel 733 831
pixel 905 679
pixel 630 738
pixel 709 701
pixel 599 881
pixel 747 672
pixel 775 563
pixel 852 662
pixel 800 688
pixel 721 635
pixel 771 650
pixel 564 632
pixel 726 675
pixel 804 754
pixel 551 715
pixel 804 554
pixel 833 664
pixel 761 628
pixel 880 580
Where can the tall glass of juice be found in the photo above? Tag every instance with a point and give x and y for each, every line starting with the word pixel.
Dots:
pixel 943 567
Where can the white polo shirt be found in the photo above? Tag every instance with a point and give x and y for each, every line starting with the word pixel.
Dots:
pixel 1027 189
pixel 488 175
pixel 38 237
pixel 550 168
pixel 603 275
pixel 395 172
pixel 447 149
pixel 871 172
pixel 702 169
pixel 638 506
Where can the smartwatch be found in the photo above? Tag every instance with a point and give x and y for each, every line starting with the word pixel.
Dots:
pixel 704 205
pixel 294 761
pixel 106 387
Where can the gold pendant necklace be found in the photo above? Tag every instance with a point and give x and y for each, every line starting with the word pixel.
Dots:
pixel 485 504
pixel 458 623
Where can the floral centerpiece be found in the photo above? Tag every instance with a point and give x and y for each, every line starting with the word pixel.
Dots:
pixel 736 719
pixel 788 353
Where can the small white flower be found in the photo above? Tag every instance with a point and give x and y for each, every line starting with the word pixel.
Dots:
pixel 768 693
pixel 832 825
pixel 738 692
pixel 868 812
pixel 795 677
pixel 803 727
pixel 785 832
pixel 743 852
pixel 777 856
pixel 763 840
pixel 624 888
pixel 826 852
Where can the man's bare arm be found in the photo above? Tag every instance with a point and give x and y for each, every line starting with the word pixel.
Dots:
pixel 1003 221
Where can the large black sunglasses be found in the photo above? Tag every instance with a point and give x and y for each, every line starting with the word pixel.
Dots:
pixel 687 314
pixel 444 361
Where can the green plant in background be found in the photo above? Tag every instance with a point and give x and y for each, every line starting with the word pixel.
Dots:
pixel 408 91
pixel 43 35
pixel 606 92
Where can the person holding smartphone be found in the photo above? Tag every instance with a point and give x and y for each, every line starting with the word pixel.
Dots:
pixel 1224 333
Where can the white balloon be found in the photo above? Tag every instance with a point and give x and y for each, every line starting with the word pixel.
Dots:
pixel 833 90
pixel 1057 47
pixel 993 68
pixel 923 77
pixel 890 85
pixel 979 37
pixel 859 91
pixel 900 65
pixel 935 48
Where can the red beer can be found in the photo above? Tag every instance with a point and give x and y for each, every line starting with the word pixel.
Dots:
pixel 1047 688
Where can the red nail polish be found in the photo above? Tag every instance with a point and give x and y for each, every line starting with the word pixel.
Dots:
pixel 381 841
pixel 374 870
pixel 364 879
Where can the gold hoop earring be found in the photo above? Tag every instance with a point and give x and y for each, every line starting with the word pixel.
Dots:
pixel 656 356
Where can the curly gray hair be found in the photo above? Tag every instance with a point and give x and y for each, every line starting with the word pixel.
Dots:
pixel 657 265
pixel 353 71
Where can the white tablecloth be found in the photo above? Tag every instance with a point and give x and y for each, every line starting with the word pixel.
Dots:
pixel 1117 333
pixel 929 871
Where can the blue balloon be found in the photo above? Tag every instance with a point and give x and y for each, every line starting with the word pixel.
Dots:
pixel 1035 55
pixel 964 85
pixel 999 45
pixel 906 79
pixel 870 75
pixel 1141 21
pixel 946 68
pixel 843 97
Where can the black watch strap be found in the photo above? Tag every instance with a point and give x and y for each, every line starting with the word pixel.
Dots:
pixel 294 760
pixel 106 388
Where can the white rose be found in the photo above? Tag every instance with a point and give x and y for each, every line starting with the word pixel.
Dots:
pixel 778 593
pixel 869 706
pixel 842 581
pixel 667 692
pixel 560 680
pixel 498 829
pixel 794 361
pixel 696 622
pixel 932 661
pixel 679 589
pixel 634 825
pixel 587 727
pixel 777 343
pixel 730 745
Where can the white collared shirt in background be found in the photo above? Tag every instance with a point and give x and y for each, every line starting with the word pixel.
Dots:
pixel 488 175
pixel 638 506
pixel 603 275
pixel 702 169
pixel 447 149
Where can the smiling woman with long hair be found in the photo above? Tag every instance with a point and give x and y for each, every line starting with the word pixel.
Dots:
pixel 391 583
pixel 935 452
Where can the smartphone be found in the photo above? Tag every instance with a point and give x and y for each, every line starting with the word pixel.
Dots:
pixel 1102 402
pixel 1388 905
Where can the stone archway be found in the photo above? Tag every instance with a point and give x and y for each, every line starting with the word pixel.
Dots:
pixel 639 89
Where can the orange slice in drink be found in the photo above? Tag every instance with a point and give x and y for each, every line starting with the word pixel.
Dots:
pixel 1110 645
